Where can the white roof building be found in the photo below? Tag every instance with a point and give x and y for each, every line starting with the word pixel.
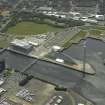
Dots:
pixel 100 17
pixel 21 46
pixel 33 43
pixel 56 48
pixel 20 43
pixel 89 20
pixel 2 90
pixel 75 13
pixel 59 60
pixel 76 18
pixel 80 104
pixel 44 9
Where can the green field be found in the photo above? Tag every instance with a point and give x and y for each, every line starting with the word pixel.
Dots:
pixel 27 28
pixel 3 43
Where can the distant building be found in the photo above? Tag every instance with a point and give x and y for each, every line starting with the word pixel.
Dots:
pixel 33 43
pixel 76 18
pixel 92 21
pixel 100 17
pixel 80 104
pixel 56 48
pixel 75 14
pixel 21 45
pixel 59 60
pixel 44 9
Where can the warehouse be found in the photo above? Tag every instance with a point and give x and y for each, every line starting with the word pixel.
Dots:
pixel 21 46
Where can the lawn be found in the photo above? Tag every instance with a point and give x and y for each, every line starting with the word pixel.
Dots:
pixel 4 43
pixel 79 35
pixel 27 28
pixel 95 32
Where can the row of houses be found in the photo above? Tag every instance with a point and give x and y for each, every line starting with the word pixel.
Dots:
pixel 92 18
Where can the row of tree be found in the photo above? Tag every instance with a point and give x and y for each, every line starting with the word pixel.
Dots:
pixel 43 19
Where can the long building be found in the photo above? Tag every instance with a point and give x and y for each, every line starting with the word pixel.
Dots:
pixel 21 46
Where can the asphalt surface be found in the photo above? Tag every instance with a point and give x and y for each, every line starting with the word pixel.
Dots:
pixel 92 87
pixel 16 61
pixel 46 71
pixel 55 73
pixel 93 47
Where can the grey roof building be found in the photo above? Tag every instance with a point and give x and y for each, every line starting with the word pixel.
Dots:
pixel 21 46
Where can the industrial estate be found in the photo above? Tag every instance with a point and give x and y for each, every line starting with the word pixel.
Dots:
pixel 52 52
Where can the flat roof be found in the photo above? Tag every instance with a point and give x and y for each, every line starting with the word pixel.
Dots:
pixel 45 8
pixel 21 43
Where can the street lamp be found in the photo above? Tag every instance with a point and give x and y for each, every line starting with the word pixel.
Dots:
pixel 84 58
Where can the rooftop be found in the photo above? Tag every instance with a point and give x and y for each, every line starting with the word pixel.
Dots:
pixel 45 8
pixel 21 43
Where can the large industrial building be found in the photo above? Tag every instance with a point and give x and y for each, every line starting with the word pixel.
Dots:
pixel 21 46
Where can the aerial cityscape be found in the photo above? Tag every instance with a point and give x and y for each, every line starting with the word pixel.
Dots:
pixel 52 52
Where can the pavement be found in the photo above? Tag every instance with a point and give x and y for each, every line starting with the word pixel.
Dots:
pixel 65 99
pixel 91 87
pixel 45 71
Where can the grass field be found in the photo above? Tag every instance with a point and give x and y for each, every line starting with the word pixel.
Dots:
pixel 4 42
pixel 26 28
